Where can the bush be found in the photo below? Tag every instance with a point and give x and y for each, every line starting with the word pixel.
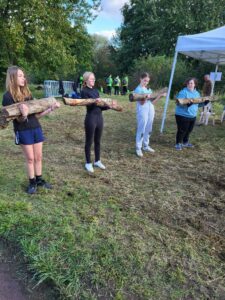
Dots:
pixel 159 68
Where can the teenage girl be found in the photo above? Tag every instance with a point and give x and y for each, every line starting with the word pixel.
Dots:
pixel 93 122
pixel 28 131
pixel 145 115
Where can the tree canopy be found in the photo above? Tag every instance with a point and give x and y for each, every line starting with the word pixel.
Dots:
pixel 152 27
pixel 47 37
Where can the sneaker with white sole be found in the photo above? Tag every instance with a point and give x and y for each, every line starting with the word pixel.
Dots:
pixel 178 147
pixel 188 145
pixel 148 149
pixel 89 167
pixel 99 165
pixel 139 153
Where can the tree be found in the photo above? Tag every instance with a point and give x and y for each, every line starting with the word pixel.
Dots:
pixel 40 35
pixel 152 27
pixel 103 57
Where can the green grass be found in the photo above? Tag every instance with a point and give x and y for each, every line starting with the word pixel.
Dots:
pixel 148 228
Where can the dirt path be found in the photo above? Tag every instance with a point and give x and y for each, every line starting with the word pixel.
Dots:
pixel 15 279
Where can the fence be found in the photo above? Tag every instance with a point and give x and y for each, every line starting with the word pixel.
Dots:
pixel 51 88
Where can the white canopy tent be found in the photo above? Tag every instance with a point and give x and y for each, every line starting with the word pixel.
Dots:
pixel 207 46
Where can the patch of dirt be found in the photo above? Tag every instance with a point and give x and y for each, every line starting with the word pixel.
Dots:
pixel 15 280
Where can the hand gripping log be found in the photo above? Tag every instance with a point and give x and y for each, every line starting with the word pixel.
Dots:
pixel 11 112
pixel 103 102
pixel 140 97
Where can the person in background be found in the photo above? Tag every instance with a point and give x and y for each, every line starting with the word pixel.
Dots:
pixel 116 83
pixel 145 115
pixel 109 83
pixel 28 131
pixel 61 88
pixel 125 85
pixel 80 82
pixel 207 110
pixel 186 114
pixel 93 122
pixel 207 86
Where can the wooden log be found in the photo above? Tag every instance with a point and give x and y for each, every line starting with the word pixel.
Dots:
pixel 184 101
pixel 3 122
pixel 84 102
pixel 140 97
pixel 12 112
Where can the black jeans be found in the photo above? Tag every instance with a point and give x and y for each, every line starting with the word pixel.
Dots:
pixel 93 131
pixel 116 90
pixel 109 90
pixel 184 128
pixel 124 90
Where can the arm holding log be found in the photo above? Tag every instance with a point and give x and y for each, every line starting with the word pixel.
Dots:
pixel 21 110
pixel 159 96
pixel 111 103
pixel 24 110
pixel 154 97
pixel 48 110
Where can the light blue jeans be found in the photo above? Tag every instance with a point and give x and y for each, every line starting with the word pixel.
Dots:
pixel 145 118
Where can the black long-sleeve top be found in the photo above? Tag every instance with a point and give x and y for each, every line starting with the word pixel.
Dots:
pixel 31 122
pixel 93 94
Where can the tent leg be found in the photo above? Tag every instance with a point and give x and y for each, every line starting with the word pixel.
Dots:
pixel 169 89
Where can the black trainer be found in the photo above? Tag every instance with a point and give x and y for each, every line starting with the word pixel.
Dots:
pixel 32 188
pixel 44 184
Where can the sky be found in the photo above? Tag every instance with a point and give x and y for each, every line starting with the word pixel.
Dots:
pixel 108 19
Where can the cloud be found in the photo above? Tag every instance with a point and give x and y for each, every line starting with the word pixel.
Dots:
pixel 113 5
pixel 106 33
pixel 112 8
pixel 108 19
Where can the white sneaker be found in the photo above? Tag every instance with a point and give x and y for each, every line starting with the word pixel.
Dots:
pixel 99 165
pixel 148 149
pixel 139 153
pixel 89 168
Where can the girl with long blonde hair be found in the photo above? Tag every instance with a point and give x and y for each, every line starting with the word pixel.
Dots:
pixel 28 131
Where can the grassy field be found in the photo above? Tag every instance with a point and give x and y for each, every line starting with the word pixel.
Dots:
pixel 150 228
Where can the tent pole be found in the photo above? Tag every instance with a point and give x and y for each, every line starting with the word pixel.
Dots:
pixel 213 84
pixel 169 89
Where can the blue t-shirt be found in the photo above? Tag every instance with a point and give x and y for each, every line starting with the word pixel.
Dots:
pixel 185 110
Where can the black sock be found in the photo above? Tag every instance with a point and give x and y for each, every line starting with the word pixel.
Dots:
pixel 39 178
pixel 32 181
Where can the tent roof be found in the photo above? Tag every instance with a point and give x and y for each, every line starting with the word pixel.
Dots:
pixel 208 46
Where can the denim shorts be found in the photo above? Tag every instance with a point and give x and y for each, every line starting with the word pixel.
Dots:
pixel 29 136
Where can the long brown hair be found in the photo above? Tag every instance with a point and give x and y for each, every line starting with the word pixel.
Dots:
pixel 19 93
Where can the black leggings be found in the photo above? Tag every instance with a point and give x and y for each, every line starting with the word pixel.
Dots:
pixel 93 131
pixel 184 128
